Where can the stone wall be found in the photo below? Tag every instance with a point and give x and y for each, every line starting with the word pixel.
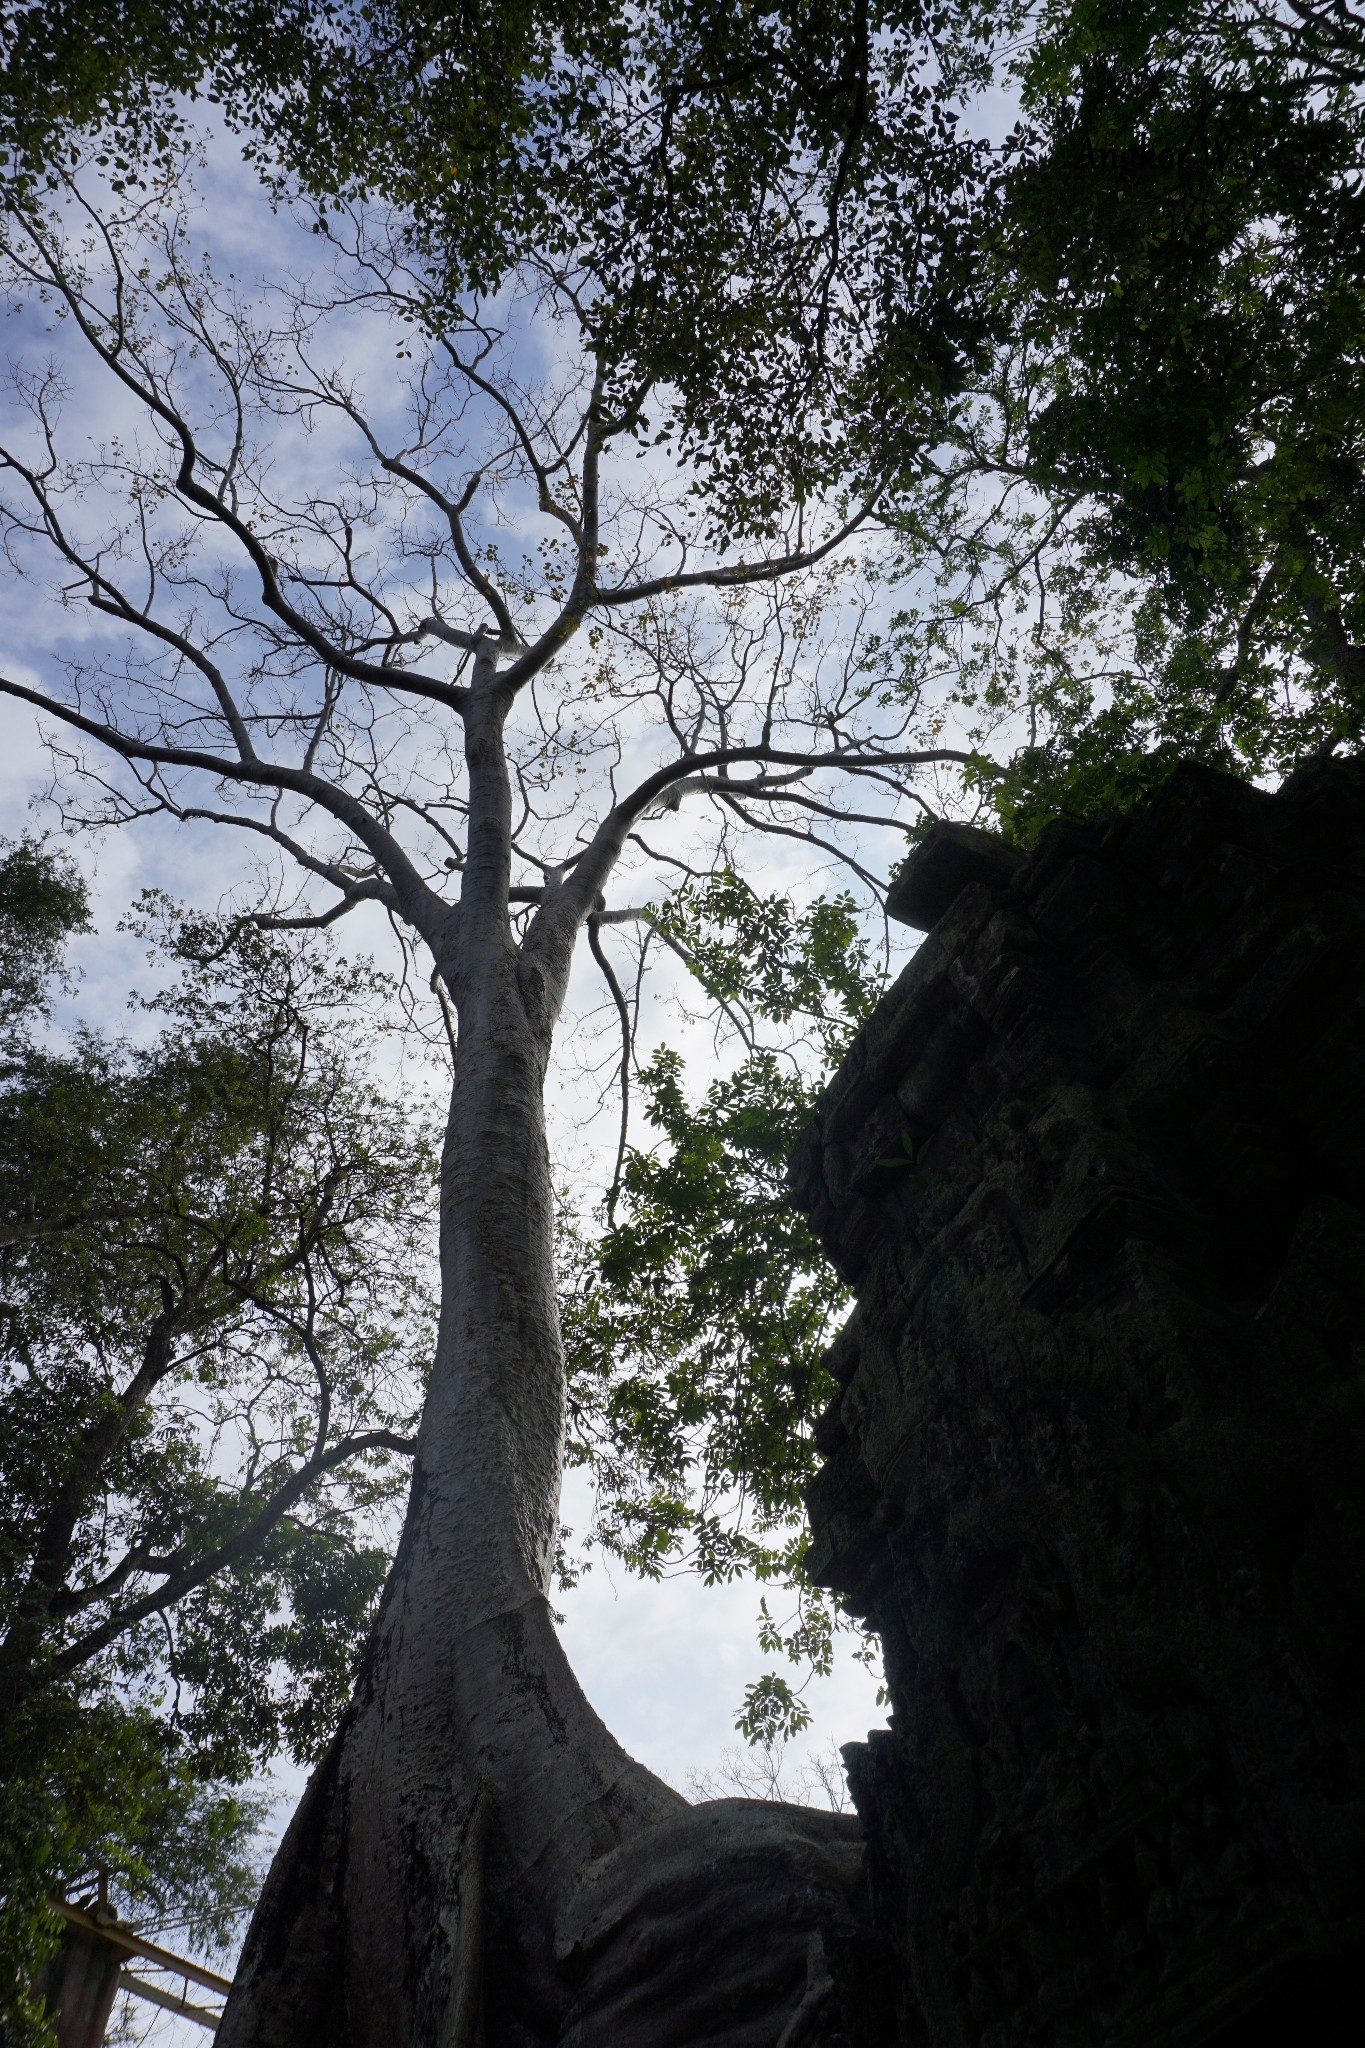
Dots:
pixel 1096 1471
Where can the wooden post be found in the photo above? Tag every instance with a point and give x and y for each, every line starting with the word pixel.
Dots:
pixel 79 1984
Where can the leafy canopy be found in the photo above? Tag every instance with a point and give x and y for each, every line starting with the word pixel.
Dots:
pixel 97 1792
pixel 1174 426
pixel 767 215
pixel 43 900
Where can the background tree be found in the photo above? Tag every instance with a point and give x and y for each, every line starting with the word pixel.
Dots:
pixel 1148 516
pixel 695 1325
pixel 215 1330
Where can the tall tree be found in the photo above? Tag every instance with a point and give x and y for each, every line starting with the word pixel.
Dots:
pixel 460 644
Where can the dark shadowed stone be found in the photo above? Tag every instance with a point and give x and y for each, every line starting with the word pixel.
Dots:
pixel 737 1924
pixel 1096 1470
pixel 948 860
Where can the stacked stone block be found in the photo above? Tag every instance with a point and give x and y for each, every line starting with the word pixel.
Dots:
pixel 1096 1469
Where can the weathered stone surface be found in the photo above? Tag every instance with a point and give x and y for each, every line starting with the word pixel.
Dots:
pixel 1097 1468
pixel 948 859
pixel 736 1924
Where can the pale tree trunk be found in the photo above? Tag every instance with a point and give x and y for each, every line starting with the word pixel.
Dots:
pixel 477 1863
pixel 471 1783
pixel 465 1696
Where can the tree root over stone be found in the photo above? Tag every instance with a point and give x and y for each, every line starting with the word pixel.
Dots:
pixel 736 1924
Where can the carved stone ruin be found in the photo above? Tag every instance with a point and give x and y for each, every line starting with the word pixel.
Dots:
pixel 1096 1471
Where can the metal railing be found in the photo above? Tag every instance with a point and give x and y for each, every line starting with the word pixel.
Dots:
pixel 122 1941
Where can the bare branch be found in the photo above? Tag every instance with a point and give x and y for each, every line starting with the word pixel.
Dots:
pixel 210 503
pixel 623 1012
pixel 561 914
pixel 184 1575
pixel 738 575
pixel 420 903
